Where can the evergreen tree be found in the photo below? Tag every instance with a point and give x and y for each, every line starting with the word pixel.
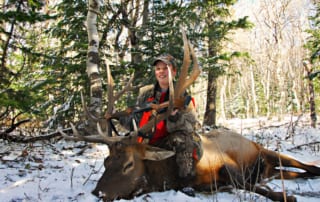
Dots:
pixel 217 27
pixel 312 66
pixel 313 43
pixel 23 82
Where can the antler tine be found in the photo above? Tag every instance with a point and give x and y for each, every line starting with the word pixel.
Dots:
pixel 150 124
pixel 77 137
pixel 105 137
pixel 171 93
pixel 110 84
pixel 183 83
pixel 185 66
pixel 195 70
pixel 86 111
pixel 125 89
pixel 114 97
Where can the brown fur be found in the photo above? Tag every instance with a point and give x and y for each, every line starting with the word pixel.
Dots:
pixel 228 159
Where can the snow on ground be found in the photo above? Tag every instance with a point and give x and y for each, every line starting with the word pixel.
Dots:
pixel 67 171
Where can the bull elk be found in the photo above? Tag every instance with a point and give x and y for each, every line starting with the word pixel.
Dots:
pixel 228 158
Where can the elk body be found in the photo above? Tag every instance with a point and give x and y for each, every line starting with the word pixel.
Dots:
pixel 228 158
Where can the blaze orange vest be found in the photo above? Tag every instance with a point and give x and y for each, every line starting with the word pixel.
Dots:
pixel 161 129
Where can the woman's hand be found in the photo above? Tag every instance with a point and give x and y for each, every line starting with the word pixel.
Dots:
pixel 174 115
pixel 174 112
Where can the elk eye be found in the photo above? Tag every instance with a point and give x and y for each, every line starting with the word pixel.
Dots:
pixel 127 167
pixel 118 145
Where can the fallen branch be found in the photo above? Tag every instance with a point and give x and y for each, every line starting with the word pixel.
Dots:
pixel 302 145
pixel 27 139
pixel 307 194
pixel 14 126
pixel 291 123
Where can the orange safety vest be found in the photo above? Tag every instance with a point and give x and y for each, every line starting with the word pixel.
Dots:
pixel 161 129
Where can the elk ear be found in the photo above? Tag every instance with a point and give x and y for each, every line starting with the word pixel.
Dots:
pixel 157 154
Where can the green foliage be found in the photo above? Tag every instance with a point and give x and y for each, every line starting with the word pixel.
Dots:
pixel 217 29
pixel 21 85
pixel 44 67
pixel 313 43
pixel 66 66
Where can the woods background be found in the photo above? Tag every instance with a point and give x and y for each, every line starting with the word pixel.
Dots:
pixel 259 57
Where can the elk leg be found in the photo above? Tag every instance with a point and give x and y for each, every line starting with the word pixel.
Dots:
pixel 272 159
pixel 274 196
pixel 288 174
pixel 238 176
pixel 230 173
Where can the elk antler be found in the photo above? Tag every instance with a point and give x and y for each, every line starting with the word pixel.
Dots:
pixel 101 137
pixel 113 97
pixel 92 138
pixel 86 111
pixel 184 82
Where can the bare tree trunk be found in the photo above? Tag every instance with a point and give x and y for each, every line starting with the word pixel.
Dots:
pixel 3 24
pixel 268 81
pixel 313 115
pixel 281 80
pixel 295 70
pixel 211 108
pixel 255 109
pixel 132 13
pixel 209 118
pixel 223 98
pixel 295 100
pixel 93 59
pixel 5 44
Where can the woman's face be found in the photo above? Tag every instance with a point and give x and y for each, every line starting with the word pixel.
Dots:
pixel 161 73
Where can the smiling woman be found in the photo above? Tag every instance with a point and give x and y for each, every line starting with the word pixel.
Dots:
pixel 162 64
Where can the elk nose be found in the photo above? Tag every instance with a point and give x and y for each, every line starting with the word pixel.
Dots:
pixel 102 195
pixel 98 193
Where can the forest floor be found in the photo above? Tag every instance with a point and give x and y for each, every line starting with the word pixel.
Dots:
pixel 68 171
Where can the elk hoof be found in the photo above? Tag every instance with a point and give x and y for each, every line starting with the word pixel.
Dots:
pixel 188 191
pixel 291 199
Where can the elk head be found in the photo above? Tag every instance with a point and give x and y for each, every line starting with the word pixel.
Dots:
pixel 125 174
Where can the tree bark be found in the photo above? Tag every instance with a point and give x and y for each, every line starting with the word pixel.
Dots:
pixel 6 40
pixel 211 107
pixel 93 59
pixel 210 114
pixel 131 14
pixel 255 106
pixel 313 115
pixel 223 98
